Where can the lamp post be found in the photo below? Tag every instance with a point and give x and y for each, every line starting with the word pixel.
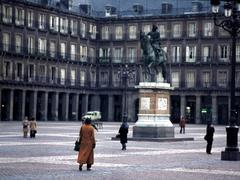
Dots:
pixel 232 25
pixel 126 74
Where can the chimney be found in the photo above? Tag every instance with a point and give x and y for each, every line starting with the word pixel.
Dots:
pixel 138 8
pixel 110 10
pixel 196 6
pixel 85 9
pixel 166 8
pixel 44 2
pixel 66 4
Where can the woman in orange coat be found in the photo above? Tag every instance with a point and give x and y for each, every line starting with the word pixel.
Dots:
pixel 87 144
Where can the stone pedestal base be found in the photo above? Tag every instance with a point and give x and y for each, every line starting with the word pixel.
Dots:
pixel 153 132
pixel 230 155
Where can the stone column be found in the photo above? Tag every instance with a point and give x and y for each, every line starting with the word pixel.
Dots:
pixel 84 103
pixel 33 105
pixel 214 110
pixel 0 104
pixel 23 100
pixel 183 105
pixel 65 106
pixel 110 108
pixel 95 103
pixel 45 105
pixel 198 109
pixel 75 106
pixel 55 100
pixel 130 107
pixel 11 99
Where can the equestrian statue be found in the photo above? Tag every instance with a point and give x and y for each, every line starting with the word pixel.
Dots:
pixel 154 57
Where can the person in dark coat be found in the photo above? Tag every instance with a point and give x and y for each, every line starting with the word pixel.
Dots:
pixel 123 131
pixel 182 124
pixel 209 137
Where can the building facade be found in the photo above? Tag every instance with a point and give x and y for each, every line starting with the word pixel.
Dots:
pixel 57 61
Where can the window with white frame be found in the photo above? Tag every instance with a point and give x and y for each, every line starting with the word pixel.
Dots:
pixel 92 54
pixel 54 23
pixel 53 74
pixel 30 19
pixel 223 52
pixel 93 78
pixel 238 53
pixel 104 54
pixel 177 30
pixel 63 49
pixel 6 41
pixel 53 49
pixel 93 31
pixel 30 44
pixel 18 43
pixel 73 52
pixel 105 33
pixel 7 14
pixel 223 32
pixel 175 79
pixel 162 30
pixel 7 69
pixel 118 32
pixel 19 16
pixel 191 52
pixel 116 79
pixel 192 29
pixel 42 45
pixel 42 73
pixel 83 29
pixel 41 21
pixel 176 54
pixel 19 71
pixel 82 77
pixel 222 78
pixel 73 77
pixel 117 55
pixel 146 28
pixel 132 30
pixel 190 79
pixel 62 76
pixel 104 79
pixel 132 54
pixel 31 72
pixel 83 53
pixel 237 79
pixel 206 79
pixel 208 29
pixel 63 25
pixel 74 27
pixel 206 53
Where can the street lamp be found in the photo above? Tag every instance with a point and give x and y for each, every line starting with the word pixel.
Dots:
pixel 232 25
pixel 126 73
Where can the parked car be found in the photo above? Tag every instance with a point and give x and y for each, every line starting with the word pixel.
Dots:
pixel 93 115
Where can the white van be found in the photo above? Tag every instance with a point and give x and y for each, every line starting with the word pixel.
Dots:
pixel 93 115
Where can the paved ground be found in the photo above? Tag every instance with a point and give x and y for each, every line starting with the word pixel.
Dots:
pixel 51 155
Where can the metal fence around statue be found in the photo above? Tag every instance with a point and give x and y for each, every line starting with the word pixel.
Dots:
pixel 153 62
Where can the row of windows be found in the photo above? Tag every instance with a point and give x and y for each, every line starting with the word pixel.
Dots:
pixel 75 51
pixel 65 25
pixel 63 75
pixel 53 22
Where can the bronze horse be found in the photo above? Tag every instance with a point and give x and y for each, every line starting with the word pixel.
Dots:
pixel 151 61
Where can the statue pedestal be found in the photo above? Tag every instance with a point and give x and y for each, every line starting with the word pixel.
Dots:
pixel 154 111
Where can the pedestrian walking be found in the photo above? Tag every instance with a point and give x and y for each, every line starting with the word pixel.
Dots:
pixel 25 127
pixel 33 127
pixel 123 131
pixel 182 124
pixel 87 145
pixel 209 137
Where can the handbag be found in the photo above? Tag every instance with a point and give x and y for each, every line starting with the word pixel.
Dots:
pixel 77 145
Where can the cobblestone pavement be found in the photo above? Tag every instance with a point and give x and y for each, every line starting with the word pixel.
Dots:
pixel 50 155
